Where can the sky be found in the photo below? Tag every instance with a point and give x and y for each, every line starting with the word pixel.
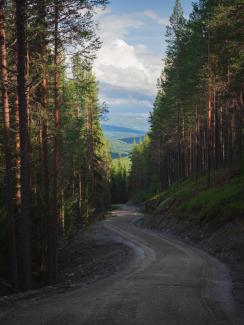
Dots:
pixel 131 58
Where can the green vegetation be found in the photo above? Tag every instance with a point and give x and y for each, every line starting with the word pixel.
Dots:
pixel 196 139
pixel 123 147
pixel 119 148
pixel 119 180
pixel 124 162
pixel 191 200
pixel 223 202
pixel 123 137
pixel 54 160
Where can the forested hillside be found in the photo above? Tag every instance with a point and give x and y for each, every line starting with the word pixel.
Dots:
pixel 121 139
pixel 189 170
pixel 197 121
pixel 54 160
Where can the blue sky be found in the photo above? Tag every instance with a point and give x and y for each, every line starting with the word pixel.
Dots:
pixel 152 34
pixel 130 60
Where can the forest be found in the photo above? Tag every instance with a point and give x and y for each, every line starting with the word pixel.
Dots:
pixel 57 168
pixel 54 158
pixel 196 127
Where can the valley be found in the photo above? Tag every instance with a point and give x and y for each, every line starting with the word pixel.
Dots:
pixel 123 132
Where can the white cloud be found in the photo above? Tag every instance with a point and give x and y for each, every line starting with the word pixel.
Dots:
pixel 163 21
pixel 121 64
pixel 128 101
pixel 113 26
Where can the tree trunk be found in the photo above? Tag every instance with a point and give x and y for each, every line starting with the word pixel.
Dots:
pixel 221 137
pixel 8 155
pixel 24 141
pixel 44 168
pixel 62 211
pixel 53 224
pixel 197 143
pixel 44 137
pixel 17 159
pixel 179 170
pixel 209 118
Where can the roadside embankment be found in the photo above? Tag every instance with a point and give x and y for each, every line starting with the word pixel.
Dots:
pixel 212 219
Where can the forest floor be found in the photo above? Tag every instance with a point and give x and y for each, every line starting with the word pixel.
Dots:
pixel 84 258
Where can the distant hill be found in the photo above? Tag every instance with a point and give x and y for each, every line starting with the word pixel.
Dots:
pixel 119 148
pixel 132 140
pixel 116 155
pixel 121 139
pixel 135 122
pixel 115 128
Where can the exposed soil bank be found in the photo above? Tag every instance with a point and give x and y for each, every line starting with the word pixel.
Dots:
pixel 223 240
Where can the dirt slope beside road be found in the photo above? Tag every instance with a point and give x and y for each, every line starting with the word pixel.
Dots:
pixel 224 240
pixel 166 283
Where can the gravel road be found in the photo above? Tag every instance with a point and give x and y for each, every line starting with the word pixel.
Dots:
pixel 167 282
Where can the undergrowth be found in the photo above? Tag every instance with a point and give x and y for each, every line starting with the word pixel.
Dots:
pixel 192 199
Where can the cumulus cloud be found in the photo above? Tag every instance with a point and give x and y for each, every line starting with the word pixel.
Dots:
pixel 128 101
pixel 125 65
pixel 117 26
pixel 120 64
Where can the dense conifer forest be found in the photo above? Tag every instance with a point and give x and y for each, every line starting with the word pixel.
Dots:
pixel 197 120
pixel 54 159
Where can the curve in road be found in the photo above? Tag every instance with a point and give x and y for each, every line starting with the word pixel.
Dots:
pixel 167 283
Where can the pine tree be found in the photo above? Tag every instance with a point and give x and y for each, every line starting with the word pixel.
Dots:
pixel 7 150
pixel 22 63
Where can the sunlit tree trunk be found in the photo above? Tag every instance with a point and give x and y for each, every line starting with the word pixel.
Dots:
pixel 197 142
pixel 53 221
pixel 17 159
pixel 24 142
pixel 209 118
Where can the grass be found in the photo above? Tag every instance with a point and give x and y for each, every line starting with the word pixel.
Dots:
pixel 223 200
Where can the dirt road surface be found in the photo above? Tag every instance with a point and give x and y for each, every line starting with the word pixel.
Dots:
pixel 166 283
